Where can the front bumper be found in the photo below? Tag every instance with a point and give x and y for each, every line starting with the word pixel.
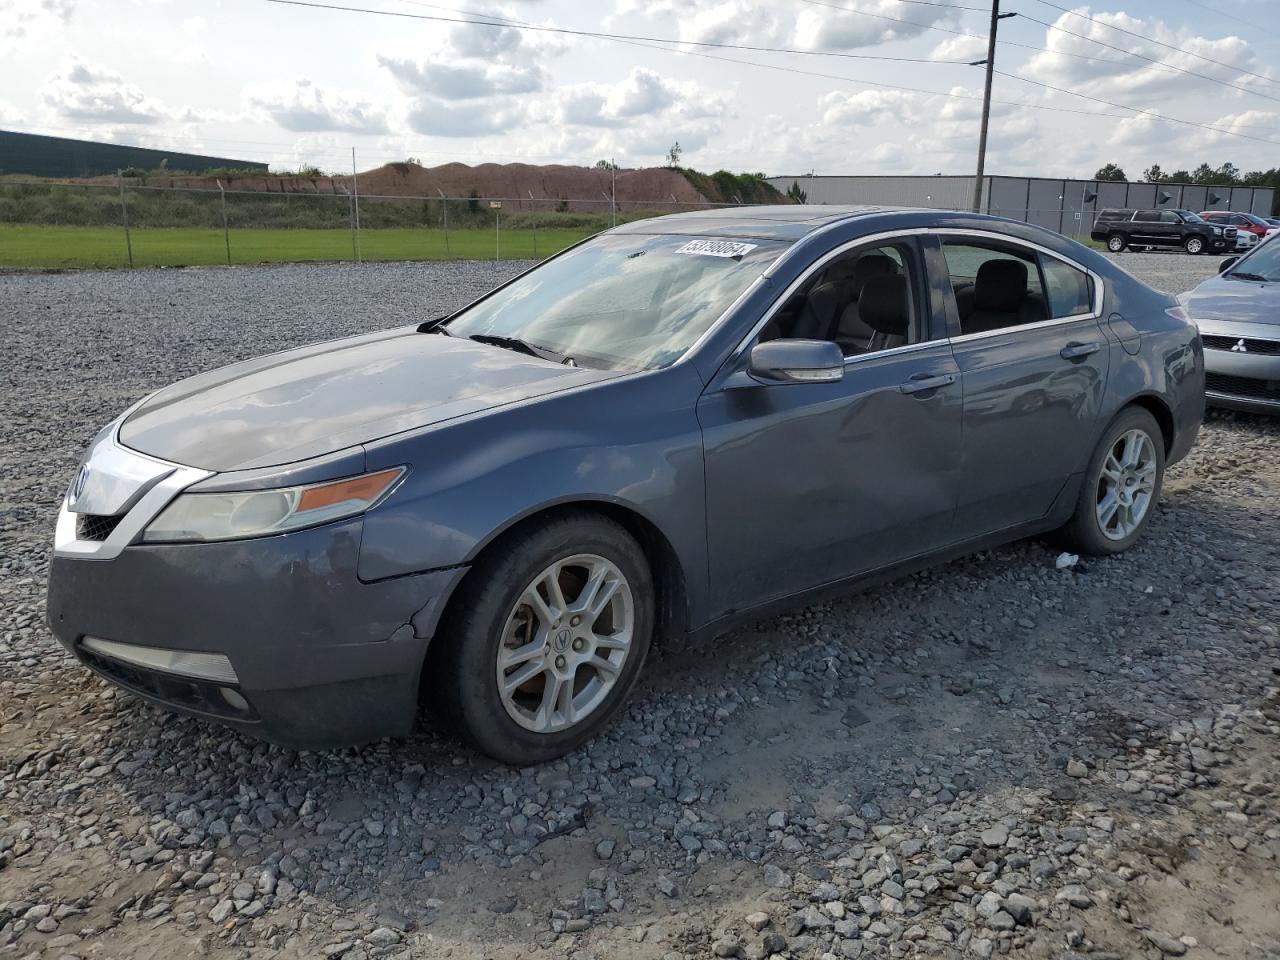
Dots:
pixel 1243 371
pixel 321 659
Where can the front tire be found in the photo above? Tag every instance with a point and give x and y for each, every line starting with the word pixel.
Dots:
pixel 546 639
pixel 1121 487
pixel 1193 245
pixel 1116 243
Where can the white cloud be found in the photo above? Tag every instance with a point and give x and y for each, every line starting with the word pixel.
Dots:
pixel 461 81
pixel 304 107
pixel 32 19
pixel 91 94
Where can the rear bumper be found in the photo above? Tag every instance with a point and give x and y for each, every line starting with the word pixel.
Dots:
pixel 321 659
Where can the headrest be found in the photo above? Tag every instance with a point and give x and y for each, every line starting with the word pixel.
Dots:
pixel 883 305
pixel 873 265
pixel 1000 286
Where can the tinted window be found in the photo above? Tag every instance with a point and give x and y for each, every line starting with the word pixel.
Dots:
pixel 1188 216
pixel 1147 216
pixel 863 299
pixel 629 301
pixel 1168 216
pixel 1070 291
pixel 995 286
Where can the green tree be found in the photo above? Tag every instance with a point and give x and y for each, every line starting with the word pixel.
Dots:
pixel 1153 174
pixel 1180 176
pixel 673 155
pixel 1203 174
pixel 796 194
pixel 1111 173
pixel 473 200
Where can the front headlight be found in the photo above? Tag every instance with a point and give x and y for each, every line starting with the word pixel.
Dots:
pixel 1217 231
pixel 200 517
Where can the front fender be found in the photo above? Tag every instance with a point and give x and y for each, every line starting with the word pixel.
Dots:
pixel 633 442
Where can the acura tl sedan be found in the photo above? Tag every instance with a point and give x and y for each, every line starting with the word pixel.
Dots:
pixel 673 426
pixel 1238 313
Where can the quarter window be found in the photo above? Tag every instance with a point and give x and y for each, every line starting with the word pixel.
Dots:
pixel 1070 290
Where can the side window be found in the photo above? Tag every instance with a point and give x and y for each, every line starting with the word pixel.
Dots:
pixel 864 300
pixel 1168 216
pixel 995 286
pixel 1147 216
pixel 1070 291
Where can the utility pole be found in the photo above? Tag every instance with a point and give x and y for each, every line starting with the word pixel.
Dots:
pixel 990 63
pixel 355 207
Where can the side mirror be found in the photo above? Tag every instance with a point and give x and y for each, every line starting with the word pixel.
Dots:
pixel 1227 264
pixel 796 361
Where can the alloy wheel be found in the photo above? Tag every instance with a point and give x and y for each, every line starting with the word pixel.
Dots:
pixel 1115 244
pixel 1126 485
pixel 1194 245
pixel 565 643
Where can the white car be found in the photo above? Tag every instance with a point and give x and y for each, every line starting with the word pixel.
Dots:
pixel 1246 241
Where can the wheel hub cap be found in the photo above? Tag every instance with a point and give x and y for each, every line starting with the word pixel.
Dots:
pixel 1126 485
pixel 565 643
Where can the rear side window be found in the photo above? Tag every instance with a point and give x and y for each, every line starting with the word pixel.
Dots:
pixel 996 285
pixel 1147 216
pixel 1070 291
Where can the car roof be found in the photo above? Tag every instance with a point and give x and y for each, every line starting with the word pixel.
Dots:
pixel 778 222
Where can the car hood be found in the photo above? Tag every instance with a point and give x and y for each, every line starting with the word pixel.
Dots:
pixel 316 400
pixel 1249 301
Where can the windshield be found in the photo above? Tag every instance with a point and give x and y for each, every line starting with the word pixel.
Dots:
pixel 1262 264
pixel 1256 220
pixel 628 301
pixel 1190 217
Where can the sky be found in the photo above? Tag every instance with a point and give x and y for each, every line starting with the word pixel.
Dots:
pixel 296 85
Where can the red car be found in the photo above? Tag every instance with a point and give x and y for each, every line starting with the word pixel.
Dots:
pixel 1245 222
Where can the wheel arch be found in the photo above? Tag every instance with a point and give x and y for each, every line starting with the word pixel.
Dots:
pixel 1159 408
pixel 665 564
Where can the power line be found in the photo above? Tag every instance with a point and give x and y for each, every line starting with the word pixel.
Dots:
pixel 1232 16
pixel 936 93
pixel 1139 36
pixel 1061 53
pixel 614 36
pixel 1148 113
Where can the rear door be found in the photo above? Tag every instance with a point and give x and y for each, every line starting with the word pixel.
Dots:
pixel 1033 361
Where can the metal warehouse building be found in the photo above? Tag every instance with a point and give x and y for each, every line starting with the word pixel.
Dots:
pixel 40 156
pixel 1068 206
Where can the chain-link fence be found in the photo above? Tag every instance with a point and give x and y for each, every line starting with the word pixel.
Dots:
pixel 51 225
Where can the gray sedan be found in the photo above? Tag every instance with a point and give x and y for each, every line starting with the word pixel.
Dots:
pixel 671 427
pixel 1238 313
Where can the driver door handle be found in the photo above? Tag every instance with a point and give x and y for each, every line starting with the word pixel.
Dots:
pixel 922 384
pixel 1078 351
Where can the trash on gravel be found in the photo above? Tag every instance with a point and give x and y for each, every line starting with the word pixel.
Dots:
pixel 1066 561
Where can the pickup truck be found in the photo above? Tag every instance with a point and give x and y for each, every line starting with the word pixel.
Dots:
pixel 1161 228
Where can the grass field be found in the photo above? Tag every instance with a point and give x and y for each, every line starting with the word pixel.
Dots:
pixel 44 247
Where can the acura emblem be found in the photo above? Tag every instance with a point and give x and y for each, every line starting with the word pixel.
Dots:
pixel 78 484
pixel 1240 347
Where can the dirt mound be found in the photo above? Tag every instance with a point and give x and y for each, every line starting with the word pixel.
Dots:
pixel 520 186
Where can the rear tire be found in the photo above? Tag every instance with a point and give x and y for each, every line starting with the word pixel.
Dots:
pixel 1120 489
pixel 1193 245
pixel 1116 243
pixel 564 673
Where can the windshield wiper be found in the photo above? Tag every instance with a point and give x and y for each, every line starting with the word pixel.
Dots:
pixel 1251 276
pixel 436 325
pixel 523 346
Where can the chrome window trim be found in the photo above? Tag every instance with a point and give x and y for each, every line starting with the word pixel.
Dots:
pixel 1098 293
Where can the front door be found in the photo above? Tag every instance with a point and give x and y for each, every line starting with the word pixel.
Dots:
pixel 811 483
pixel 1033 356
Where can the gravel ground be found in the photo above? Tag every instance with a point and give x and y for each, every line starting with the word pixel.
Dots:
pixel 991 757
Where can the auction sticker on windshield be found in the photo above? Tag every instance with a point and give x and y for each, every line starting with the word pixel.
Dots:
pixel 718 248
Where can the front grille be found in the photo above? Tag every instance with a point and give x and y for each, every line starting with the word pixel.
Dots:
pixel 1230 232
pixel 191 694
pixel 1269 348
pixel 1243 387
pixel 91 526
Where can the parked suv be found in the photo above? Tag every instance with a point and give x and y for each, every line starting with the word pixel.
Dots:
pixel 1244 222
pixel 1161 228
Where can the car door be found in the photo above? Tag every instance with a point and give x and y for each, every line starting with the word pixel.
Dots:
pixel 1171 229
pixel 1144 228
pixel 812 483
pixel 1033 361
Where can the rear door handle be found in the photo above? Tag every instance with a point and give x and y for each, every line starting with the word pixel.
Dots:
pixel 1078 351
pixel 923 384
